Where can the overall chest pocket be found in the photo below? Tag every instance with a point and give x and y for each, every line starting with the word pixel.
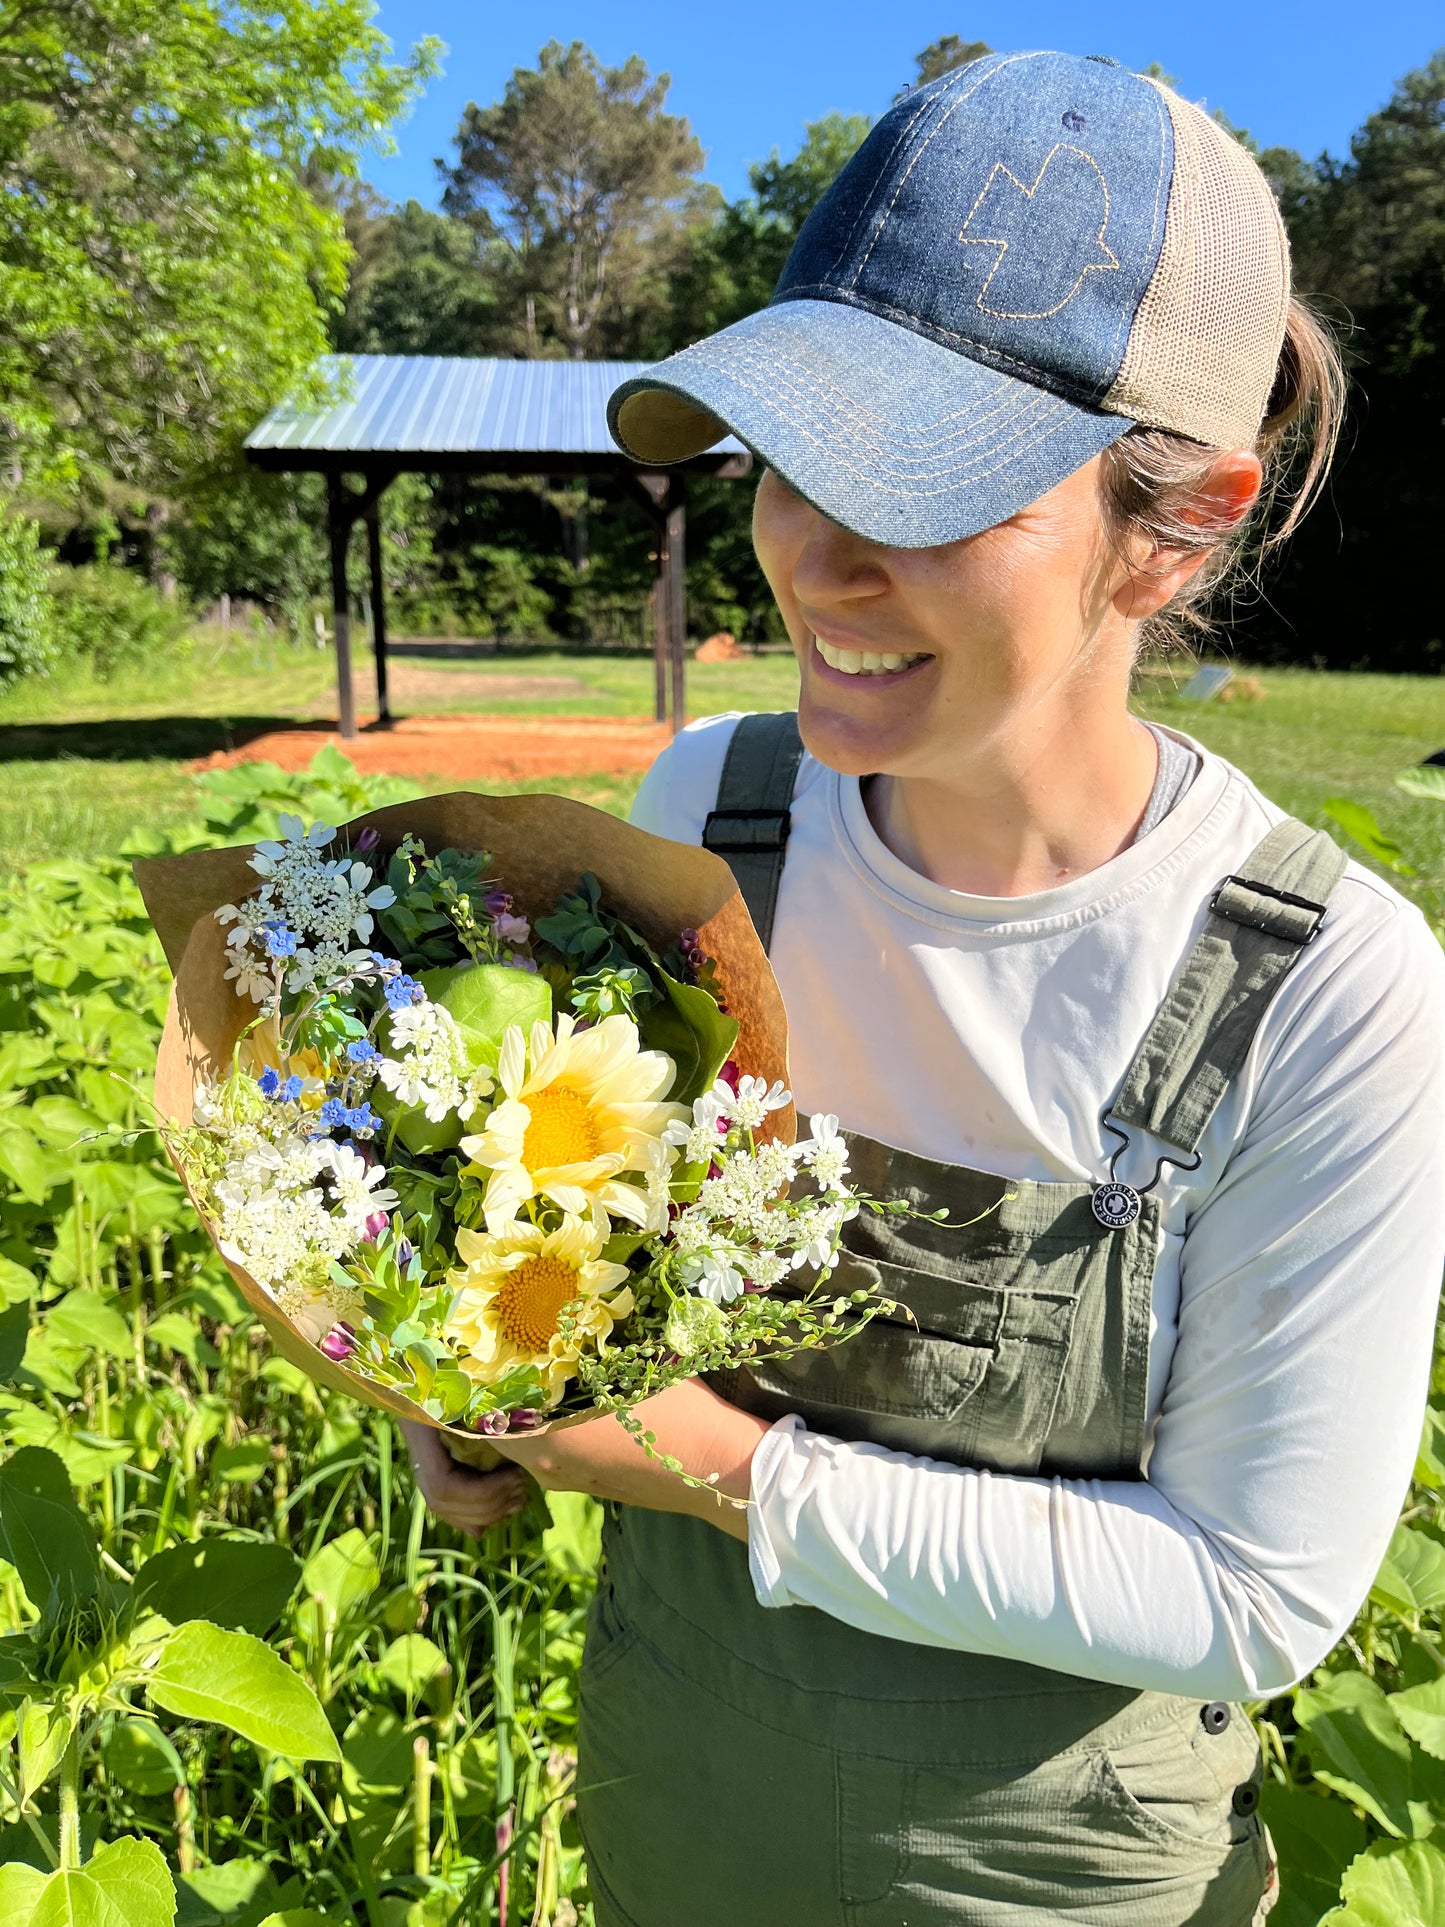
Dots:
pixel 977 1380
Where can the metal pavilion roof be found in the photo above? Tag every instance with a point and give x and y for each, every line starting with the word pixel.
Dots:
pixel 447 411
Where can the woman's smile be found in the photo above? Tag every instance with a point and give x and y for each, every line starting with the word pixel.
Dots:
pixel 839 659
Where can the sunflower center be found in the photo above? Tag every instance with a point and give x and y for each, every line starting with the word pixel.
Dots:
pixel 562 1131
pixel 530 1300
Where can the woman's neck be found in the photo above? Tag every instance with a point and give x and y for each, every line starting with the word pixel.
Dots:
pixel 1023 817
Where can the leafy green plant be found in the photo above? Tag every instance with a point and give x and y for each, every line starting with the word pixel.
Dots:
pixel 27 612
pixel 109 617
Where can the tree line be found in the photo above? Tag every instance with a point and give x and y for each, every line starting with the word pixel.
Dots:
pixel 174 254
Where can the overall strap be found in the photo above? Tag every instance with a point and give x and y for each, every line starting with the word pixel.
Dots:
pixel 1258 924
pixel 750 823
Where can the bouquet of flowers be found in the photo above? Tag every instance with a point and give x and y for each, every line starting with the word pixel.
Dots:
pixel 483 1101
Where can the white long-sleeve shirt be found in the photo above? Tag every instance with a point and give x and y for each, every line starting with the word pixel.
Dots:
pixel 1297 1279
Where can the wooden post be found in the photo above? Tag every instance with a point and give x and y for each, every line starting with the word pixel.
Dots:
pixel 657 601
pixel 676 581
pixel 378 606
pixel 338 521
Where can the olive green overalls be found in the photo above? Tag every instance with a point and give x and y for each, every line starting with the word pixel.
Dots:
pixel 744 1767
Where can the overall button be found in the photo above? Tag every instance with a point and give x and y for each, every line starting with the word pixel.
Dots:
pixel 1116 1205
pixel 1246 1799
pixel 1214 1717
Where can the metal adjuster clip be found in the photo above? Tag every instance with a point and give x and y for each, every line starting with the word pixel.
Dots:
pixel 1116 1204
pixel 1286 897
pixel 762 842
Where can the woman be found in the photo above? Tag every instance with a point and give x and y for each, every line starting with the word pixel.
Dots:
pixel 973 1651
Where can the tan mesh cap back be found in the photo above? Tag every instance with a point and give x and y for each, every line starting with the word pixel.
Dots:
pixel 1206 338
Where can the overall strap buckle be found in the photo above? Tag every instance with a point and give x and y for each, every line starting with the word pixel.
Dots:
pixel 1260 906
pixel 753 832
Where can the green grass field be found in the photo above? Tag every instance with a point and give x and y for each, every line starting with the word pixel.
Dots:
pixel 81 763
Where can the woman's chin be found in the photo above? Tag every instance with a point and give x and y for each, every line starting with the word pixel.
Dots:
pixel 872 733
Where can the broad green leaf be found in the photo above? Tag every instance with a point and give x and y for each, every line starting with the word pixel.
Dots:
pixel 1352 1727
pixel 343 1573
pixel 19 1658
pixel 140 1758
pixel 231 1679
pixel 693 1032
pixel 1393 1886
pixel 20 1889
pixel 1357 822
pixel 1425 779
pixel 16 1282
pixel 232 1890
pixel 299 1917
pixel 573 1541
pixel 175 1332
pixel 60 1120
pixel 14 1336
pixel 126 1884
pixel 44 1733
pixel 232 1582
pixel 83 1318
pixel 1316 1838
pixel 1430 1462
pixel 486 999
pixel 25 1164
pixel 85 1456
pixel 376 1755
pixel 242 1463
pixel 1421 1711
pixel 411 1663
pixel 1412 1578
pixel 43 1532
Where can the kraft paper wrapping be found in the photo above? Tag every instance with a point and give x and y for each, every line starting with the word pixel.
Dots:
pixel 540 846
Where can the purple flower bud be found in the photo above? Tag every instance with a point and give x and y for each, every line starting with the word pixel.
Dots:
pixel 340 1342
pixel 367 842
pixel 375 1225
pixel 404 1253
pixel 497 903
pixel 729 1075
pixel 525 1419
pixel 491 1424
pixel 512 929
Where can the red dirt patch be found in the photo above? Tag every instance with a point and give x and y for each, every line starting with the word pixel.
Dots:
pixel 474 748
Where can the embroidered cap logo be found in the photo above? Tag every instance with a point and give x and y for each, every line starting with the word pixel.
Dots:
pixel 1048 236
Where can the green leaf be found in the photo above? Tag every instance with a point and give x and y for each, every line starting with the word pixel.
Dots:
pixel 376 1755
pixel 24 1163
pixel 83 1318
pixel 14 1336
pixel 1421 1711
pixel 1425 779
pixel 1357 822
pixel 298 1917
pixel 1352 1725
pixel 242 1463
pixel 175 1332
pixel 231 1679
pixel 343 1573
pixel 60 1120
pixel 694 1033
pixel 573 1541
pixel 126 1884
pixel 232 1582
pixel 44 1733
pixel 487 999
pixel 20 1888
pixel 1393 1886
pixel 140 1758
pixel 43 1532
pixel 1412 1578
pixel 16 1282
pixel 233 1890
pixel 1316 1838
pixel 85 1456
pixel 411 1663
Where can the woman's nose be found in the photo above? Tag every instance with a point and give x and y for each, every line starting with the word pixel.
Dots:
pixel 833 566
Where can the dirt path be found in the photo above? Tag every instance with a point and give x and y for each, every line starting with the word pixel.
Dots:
pixel 495 748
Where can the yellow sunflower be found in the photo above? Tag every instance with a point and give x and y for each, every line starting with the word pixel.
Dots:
pixel 511 1290
pixel 579 1111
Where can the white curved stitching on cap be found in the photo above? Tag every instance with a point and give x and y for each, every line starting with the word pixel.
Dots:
pixel 982 241
pixel 923 146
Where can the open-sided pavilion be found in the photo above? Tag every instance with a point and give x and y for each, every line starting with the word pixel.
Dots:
pixel 464 415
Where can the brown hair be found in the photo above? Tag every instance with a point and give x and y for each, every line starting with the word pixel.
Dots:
pixel 1151 480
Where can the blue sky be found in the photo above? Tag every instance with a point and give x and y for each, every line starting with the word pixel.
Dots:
pixel 749 73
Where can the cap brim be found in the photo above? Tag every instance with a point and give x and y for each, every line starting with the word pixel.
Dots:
pixel 894 436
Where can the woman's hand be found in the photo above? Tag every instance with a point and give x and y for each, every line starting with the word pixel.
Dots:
pixel 469 1500
pixel 701 1431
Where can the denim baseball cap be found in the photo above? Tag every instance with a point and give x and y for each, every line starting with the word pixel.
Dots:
pixel 1021 262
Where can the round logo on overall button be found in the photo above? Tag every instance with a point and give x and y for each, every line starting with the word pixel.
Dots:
pixel 1116 1205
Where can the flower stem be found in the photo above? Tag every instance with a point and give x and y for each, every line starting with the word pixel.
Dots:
pixel 70 1803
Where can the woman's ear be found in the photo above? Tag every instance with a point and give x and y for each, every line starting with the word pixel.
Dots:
pixel 1217 504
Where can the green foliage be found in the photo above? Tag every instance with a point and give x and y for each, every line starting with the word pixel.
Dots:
pixel 111 618
pixel 27 625
pixel 943 55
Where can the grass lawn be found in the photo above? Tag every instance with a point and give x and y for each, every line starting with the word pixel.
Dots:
pixel 81 763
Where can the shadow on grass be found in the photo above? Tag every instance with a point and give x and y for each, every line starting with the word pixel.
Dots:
pixel 140 739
